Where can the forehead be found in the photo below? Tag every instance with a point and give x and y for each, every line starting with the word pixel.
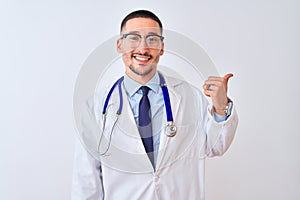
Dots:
pixel 141 25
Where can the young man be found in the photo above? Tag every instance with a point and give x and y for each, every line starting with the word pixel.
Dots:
pixel 145 162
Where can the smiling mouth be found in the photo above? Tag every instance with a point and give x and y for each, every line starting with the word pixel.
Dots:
pixel 142 57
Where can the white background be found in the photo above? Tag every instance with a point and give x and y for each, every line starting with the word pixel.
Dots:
pixel 44 43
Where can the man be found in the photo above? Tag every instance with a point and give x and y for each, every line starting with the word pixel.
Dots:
pixel 150 164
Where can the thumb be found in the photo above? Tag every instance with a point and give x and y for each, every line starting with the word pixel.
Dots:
pixel 227 77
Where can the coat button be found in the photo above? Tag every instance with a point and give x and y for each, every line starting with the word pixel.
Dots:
pixel 156 178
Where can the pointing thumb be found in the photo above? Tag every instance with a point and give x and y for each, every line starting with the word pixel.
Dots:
pixel 227 77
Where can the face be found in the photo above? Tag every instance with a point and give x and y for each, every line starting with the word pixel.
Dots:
pixel 141 48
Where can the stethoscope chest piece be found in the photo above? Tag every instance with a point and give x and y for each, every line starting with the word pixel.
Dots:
pixel 171 130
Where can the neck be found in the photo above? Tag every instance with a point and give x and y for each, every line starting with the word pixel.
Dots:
pixel 142 79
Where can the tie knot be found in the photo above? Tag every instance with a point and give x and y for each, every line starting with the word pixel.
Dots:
pixel 145 90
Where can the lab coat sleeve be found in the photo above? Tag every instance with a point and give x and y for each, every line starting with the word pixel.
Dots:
pixel 87 178
pixel 219 135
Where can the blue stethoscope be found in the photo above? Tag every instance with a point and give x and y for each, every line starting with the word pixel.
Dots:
pixel 170 127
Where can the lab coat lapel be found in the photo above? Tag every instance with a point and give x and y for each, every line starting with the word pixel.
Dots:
pixel 175 100
pixel 126 121
pixel 126 149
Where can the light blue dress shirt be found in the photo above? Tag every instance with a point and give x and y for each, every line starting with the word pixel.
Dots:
pixel 156 99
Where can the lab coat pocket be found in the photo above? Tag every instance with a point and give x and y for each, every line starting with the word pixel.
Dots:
pixel 182 145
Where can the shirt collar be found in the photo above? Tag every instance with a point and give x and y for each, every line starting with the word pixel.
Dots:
pixel 131 86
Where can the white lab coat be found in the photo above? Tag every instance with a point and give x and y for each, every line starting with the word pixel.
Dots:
pixel 179 173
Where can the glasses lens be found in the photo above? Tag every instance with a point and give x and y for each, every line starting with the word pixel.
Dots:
pixel 153 41
pixel 134 40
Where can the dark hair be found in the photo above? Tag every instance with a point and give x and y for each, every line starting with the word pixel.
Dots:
pixel 141 14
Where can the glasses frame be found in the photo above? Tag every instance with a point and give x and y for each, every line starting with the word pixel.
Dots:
pixel 124 36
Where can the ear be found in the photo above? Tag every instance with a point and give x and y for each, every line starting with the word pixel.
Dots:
pixel 119 46
pixel 162 50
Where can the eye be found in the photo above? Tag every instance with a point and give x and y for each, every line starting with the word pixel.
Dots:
pixel 152 38
pixel 133 38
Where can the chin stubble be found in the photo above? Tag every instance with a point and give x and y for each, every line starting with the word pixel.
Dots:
pixel 145 73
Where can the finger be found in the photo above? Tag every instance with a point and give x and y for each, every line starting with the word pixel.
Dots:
pixel 208 85
pixel 214 78
pixel 217 78
pixel 206 92
pixel 209 89
pixel 218 82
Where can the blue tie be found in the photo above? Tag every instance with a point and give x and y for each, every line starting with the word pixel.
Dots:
pixel 145 126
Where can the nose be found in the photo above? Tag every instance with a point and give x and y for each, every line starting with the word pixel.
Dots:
pixel 143 44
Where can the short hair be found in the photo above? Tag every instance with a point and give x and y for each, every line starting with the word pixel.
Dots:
pixel 141 14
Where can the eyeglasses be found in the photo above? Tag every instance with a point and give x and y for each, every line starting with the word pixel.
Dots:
pixel 134 40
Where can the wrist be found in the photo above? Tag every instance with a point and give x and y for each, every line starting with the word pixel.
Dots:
pixel 226 111
pixel 219 111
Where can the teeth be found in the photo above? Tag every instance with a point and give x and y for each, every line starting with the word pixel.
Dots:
pixel 141 58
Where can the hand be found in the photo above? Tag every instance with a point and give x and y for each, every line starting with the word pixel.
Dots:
pixel 216 88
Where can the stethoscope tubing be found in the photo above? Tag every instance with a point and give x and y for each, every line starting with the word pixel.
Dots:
pixel 166 99
pixel 118 82
pixel 170 128
pixel 165 96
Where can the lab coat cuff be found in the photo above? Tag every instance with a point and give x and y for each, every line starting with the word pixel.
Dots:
pixel 219 118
